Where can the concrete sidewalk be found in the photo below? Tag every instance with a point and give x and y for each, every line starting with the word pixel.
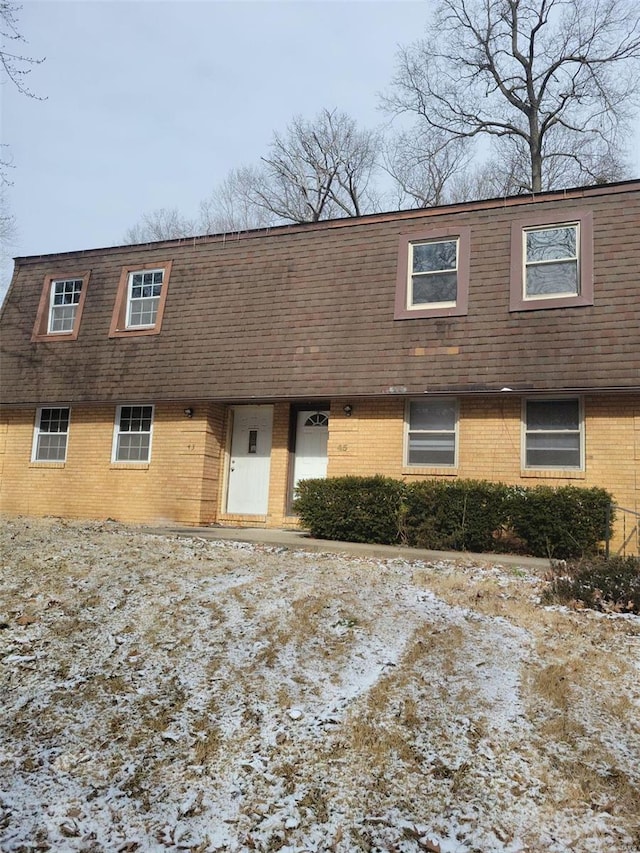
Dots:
pixel 299 540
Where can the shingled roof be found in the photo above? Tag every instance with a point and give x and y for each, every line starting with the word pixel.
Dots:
pixel 308 312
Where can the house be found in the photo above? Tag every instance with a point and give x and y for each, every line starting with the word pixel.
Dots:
pixel 197 381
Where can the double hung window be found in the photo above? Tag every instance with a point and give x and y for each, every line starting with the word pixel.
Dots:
pixel 432 432
pixel 142 294
pixel 50 435
pixel 65 297
pixel 143 297
pixel 553 434
pixel 132 434
pixel 551 263
pixel 60 308
pixel 433 274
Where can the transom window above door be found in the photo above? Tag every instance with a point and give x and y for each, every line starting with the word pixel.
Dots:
pixel 320 419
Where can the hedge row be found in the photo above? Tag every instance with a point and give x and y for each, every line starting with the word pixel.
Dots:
pixel 461 515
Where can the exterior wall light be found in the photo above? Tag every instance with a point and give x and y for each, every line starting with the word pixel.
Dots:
pixel 348 410
pixel 188 412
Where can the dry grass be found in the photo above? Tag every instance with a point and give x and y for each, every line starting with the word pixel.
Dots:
pixel 273 699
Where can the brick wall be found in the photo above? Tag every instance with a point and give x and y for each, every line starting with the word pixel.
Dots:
pixel 185 481
pixel 180 484
pixel 371 442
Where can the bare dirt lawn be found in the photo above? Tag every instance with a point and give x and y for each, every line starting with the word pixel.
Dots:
pixel 180 694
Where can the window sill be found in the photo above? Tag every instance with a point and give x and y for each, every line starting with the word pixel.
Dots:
pixel 129 466
pixel 47 464
pixel 52 337
pixel 426 312
pixel 422 471
pixel 553 474
pixel 548 303
pixel 135 332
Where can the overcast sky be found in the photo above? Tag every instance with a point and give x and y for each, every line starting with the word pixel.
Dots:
pixel 150 103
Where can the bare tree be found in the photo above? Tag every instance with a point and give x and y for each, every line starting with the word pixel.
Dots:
pixel 317 169
pixel 15 64
pixel 230 207
pixel 423 164
pixel 161 224
pixel 8 241
pixel 552 82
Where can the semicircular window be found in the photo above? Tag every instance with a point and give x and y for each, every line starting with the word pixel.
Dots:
pixel 317 419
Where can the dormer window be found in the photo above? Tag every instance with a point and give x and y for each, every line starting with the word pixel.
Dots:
pixel 142 293
pixel 433 274
pixel 552 262
pixel 60 308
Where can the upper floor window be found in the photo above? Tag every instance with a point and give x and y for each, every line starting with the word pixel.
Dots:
pixel 553 433
pixel 65 297
pixel 140 301
pixel 432 432
pixel 551 263
pixel 50 435
pixel 60 307
pixel 433 274
pixel 132 434
pixel 143 297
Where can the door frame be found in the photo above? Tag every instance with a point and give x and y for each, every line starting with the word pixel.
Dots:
pixel 228 455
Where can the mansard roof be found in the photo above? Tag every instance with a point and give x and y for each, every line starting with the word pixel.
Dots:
pixel 307 311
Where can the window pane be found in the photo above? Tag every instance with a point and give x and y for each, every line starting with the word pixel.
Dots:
pixel 552 278
pixel 54 420
pixel 431 448
pixel 553 450
pixel 433 257
pixel 51 447
pixel 553 415
pixel 550 244
pixel 432 415
pixel 434 287
pixel 133 447
pixel 62 318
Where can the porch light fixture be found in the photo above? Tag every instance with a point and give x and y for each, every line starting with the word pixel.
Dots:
pixel 188 412
pixel 348 410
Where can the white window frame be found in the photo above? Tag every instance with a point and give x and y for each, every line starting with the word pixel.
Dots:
pixel 580 432
pixel 145 300
pixel 38 432
pixel 117 433
pixel 527 264
pixel 412 305
pixel 53 308
pixel 408 430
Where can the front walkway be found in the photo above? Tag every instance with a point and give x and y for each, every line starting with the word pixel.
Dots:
pixel 299 540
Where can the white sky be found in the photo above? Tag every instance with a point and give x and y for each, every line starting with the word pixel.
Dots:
pixel 150 103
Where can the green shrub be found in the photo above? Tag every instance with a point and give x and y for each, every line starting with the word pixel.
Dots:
pixel 562 522
pixel 461 515
pixel 351 509
pixel 600 584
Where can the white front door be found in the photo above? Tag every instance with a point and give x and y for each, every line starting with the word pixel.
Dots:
pixel 250 462
pixel 312 436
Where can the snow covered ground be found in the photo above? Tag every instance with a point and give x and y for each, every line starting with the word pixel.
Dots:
pixel 180 694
